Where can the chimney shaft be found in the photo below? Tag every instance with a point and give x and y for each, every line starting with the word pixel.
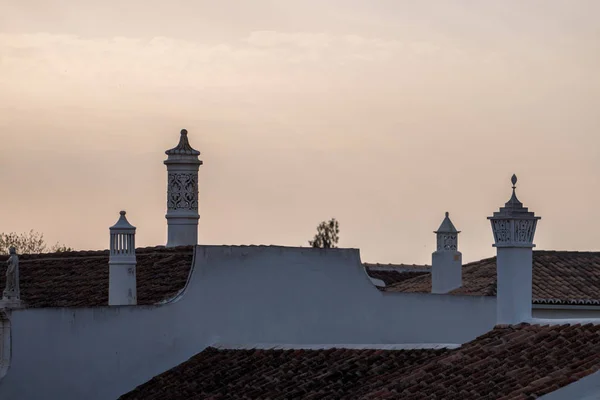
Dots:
pixel 514 229
pixel 446 261
pixel 513 293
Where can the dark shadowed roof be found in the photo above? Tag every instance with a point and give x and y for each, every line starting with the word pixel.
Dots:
pixel 518 362
pixel 393 277
pixel 80 279
pixel 559 277
pixel 394 273
pixel 397 267
pixel 279 374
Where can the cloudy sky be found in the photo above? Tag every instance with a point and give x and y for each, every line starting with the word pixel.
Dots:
pixel 381 113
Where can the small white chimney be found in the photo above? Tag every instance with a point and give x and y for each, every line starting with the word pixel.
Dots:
pixel 446 261
pixel 122 286
pixel 514 228
pixel 182 194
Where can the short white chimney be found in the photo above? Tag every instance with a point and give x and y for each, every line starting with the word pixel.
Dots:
pixel 182 194
pixel 446 261
pixel 514 228
pixel 122 286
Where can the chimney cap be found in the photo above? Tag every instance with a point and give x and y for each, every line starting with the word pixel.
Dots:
pixel 183 148
pixel 122 224
pixel 513 208
pixel 447 226
pixel 513 225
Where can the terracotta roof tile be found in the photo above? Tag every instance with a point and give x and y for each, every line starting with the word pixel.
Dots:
pixel 393 277
pixel 397 267
pixel 279 374
pixel 80 279
pixel 509 362
pixel 560 277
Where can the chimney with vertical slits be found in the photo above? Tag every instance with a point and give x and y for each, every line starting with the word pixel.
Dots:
pixel 122 285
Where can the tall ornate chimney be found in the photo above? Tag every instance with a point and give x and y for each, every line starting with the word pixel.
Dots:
pixel 182 195
pixel 514 228
pixel 446 261
pixel 122 285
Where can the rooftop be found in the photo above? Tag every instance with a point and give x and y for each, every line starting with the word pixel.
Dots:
pixel 80 279
pixel 509 362
pixel 559 277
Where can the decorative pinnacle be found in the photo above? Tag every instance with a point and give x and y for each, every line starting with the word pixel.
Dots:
pixel 183 148
pixel 514 181
pixel 447 226
pixel 122 223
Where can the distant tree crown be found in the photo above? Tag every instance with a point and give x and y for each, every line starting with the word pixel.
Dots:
pixel 28 243
pixel 327 235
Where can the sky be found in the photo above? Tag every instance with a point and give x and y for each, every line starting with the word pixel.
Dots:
pixel 383 114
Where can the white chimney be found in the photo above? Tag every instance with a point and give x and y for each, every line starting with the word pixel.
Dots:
pixel 182 194
pixel 514 229
pixel 446 261
pixel 122 286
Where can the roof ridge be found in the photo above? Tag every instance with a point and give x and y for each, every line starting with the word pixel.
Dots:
pixel 98 253
pixel 330 346
pixel 395 265
pixel 568 251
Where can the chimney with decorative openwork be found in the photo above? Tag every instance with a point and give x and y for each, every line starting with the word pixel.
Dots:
pixel 514 228
pixel 446 261
pixel 122 285
pixel 182 193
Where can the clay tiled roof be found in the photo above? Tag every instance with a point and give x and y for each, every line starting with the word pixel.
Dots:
pixel 394 273
pixel 393 277
pixel 559 277
pixel 515 362
pixel 397 267
pixel 80 279
pixel 279 374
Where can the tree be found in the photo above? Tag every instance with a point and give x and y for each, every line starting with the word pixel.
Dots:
pixel 327 235
pixel 28 243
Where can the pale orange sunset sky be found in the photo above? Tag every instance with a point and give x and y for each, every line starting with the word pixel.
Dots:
pixel 381 113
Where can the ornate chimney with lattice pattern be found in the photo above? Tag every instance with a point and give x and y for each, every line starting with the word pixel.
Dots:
pixel 514 228
pixel 446 261
pixel 182 193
